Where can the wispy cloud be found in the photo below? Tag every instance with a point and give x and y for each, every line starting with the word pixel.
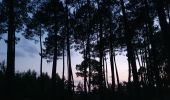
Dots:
pixel 28 47
pixel 17 54
pixel 20 54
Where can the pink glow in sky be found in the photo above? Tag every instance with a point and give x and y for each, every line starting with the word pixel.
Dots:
pixel 27 57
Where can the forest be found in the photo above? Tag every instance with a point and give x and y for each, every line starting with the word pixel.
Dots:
pixel 98 30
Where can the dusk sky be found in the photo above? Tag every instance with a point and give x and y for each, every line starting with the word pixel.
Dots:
pixel 27 57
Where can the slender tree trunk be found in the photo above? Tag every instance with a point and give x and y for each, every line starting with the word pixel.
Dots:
pixel 107 83
pixel 70 77
pixel 90 74
pixel 104 76
pixel 88 46
pixel 63 62
pixel 41 59
pixel 147 60
pixel 138 59
pixel 85 70
pixel 101 88
pixel 112 68
pixel 69 66
pixel 63 77
pixel 101 60
pixel 130 49
pixel 133 65
pixel 41 54
pixel 117 75
pixel 54 66
pixel 72 80
pixel 142 58
pixel 88 58
pixel 129 71
pixel 111 55
pixel 151 38
pixel 63 73
pixel 165 31
pixel 11 41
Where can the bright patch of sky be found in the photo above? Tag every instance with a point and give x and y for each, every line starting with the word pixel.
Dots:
pixel 27 57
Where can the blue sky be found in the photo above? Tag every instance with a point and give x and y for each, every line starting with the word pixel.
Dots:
pixel 27 57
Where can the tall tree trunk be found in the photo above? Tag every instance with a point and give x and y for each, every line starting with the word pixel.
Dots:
pixel 129 71
pixel 88 46
pixel 63 77
pixel 130 49
pixel 41 59
pixel 111 54
pixel 165 31
pixel 10 71
pixel 138 59
pixel 85 70
pixel 101 88
pixel 11 41
pixel 63 62
pixel 104 76
pixel 70 77
pixel 88 58
pixel 69 67
pixel 153 47
pixel 100 61
pixel 117 74
pixel 54 66
pixel 112 67
pixel 100 68
pixel 41 54
pixel 148 64
pixel 107 83
pixel 54 69
pixel 90 74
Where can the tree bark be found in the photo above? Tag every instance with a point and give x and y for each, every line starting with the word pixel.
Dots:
pixel 117 74
pixel 165 31
pixel 41 54
pixel 112 67
pixel 63 62
pixel 70 77
pixel 111 54
pixel 10 71
pixel 153 47
pixel 85 70
pixel 104 75
pixel 107 83
pixel 54 66
pixel 130 49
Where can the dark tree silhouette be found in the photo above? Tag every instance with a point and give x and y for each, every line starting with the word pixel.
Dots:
pixel 159 5
pixel 130 50
pixel 99 30
pixel 83 35
pixel 15 15
pixel 68 26
pixel 94 72
pixel 35 28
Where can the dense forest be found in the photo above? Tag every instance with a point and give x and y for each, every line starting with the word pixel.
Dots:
pixel 97 29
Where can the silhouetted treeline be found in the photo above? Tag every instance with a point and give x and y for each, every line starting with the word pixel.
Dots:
pixel 97 29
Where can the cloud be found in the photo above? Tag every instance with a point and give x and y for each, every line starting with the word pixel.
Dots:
pixel 28 47
pixel 31 50
pixel 17 54
pixel 20 54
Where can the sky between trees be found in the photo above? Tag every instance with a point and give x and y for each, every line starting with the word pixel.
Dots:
pixel 27 57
